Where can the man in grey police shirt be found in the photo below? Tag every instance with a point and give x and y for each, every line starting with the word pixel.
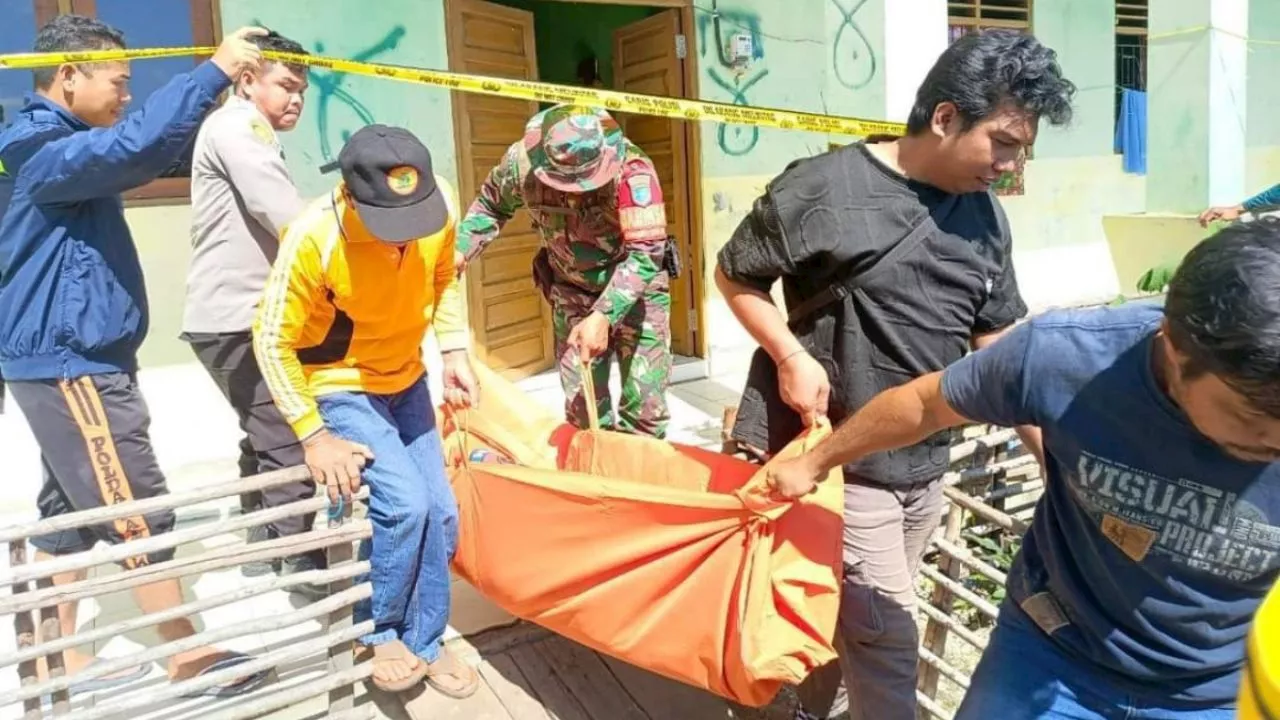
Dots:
pixel 241 198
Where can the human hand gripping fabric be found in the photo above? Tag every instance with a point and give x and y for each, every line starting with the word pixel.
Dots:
pixel 804 386
pixel 590 336
pixel 793 478
pixel 461 388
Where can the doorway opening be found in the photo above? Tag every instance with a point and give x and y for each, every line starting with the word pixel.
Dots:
pixel 641 48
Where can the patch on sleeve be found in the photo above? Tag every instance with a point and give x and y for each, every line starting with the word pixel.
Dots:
pixel 641 187
pixel 262 131
pixel 637 222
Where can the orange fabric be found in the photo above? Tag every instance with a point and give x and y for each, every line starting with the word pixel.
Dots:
pixel 674 559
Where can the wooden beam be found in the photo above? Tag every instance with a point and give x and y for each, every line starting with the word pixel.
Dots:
pixel 953 625
pixel 106 632
pixel 935 633
pixel 46 10
pixel 172 691
pixel 274 698
pixel 164 651
pixel 985 512
pixel 169 501
pixel 165 541
pixel 185 567
pixel 962 592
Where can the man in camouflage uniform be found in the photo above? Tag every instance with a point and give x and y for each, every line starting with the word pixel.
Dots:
pixel 605 263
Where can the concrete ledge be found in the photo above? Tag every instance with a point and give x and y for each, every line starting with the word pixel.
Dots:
pixel 1140 242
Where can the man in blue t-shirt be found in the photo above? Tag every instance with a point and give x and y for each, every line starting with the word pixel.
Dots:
pixel 1159 531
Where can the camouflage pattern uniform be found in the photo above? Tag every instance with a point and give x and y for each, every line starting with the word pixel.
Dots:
pixel 595 201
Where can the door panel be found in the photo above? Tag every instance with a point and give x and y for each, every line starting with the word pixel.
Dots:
pixel 645 61
pixel 510 322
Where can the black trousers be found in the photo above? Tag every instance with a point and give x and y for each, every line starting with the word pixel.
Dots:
pixel 269 442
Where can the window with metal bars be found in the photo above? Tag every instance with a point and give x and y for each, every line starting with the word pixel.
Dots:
pixel 1131 44
pixel 989 14
pixel 1131 48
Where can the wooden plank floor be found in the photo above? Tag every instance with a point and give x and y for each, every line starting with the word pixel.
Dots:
pixel 529 673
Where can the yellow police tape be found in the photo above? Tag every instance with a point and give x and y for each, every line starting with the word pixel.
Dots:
pixel 610 100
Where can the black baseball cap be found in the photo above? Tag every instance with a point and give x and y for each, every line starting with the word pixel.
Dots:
pixel 388 174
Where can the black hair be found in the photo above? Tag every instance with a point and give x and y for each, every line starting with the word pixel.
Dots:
pixel 1222 313
pixel 275 41
pixel 72 33
pixel 983 70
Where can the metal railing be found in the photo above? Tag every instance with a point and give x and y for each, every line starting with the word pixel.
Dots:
pixel 331 650
pixel 988 473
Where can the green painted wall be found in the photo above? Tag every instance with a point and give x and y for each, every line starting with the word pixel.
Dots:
pixel 788 70
pixel 1198 109
pixel 164 245
pixel 1262 155
pixel 854 61
pixel 409 32
pixel 1083 34
pixel 808 55
pixel 1178 82
pixel 567 32
pixel 1263 70
pixel 404 32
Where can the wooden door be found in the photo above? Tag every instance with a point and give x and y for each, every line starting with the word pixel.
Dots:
pixel 510 322
pixel 645 61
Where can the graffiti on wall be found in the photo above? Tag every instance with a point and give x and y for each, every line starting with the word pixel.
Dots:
pixel 328 85
pixel 735 75
pixel 331 95
pixel 852 58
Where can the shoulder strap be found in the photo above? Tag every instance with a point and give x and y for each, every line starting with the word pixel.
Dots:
pixel 838 291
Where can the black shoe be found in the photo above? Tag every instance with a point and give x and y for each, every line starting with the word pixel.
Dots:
pixel 303 563
pixel 258 568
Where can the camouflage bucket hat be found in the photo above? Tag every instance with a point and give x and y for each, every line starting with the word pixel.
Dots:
pixel 573 148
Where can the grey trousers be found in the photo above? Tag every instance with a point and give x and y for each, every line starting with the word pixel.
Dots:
pixel 886 531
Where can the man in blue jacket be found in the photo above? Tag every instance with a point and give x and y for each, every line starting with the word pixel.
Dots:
pixel 73 306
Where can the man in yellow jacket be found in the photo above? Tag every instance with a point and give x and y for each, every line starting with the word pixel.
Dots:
pixel 360 276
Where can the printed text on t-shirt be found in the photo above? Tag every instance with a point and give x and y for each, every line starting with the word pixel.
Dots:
pixel 1183 521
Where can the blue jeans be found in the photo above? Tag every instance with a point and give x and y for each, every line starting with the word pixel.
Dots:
pixel 413 511
pixel 1023 676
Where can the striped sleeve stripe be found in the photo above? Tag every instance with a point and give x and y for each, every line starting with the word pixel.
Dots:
pixel 275 303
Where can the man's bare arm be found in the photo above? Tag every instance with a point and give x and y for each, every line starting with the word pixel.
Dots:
pixel 760 317
pixel 896 418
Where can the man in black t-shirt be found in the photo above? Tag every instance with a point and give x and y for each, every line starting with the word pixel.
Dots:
pixel 896 260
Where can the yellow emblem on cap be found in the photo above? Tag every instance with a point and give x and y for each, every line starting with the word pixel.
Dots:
pixel 402 180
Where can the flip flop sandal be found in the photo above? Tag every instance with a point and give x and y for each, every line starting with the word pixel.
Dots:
pixel 451 668
pixel 237 687
pixel 390 651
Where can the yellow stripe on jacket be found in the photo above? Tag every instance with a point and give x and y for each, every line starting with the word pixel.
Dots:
pixel 345 312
